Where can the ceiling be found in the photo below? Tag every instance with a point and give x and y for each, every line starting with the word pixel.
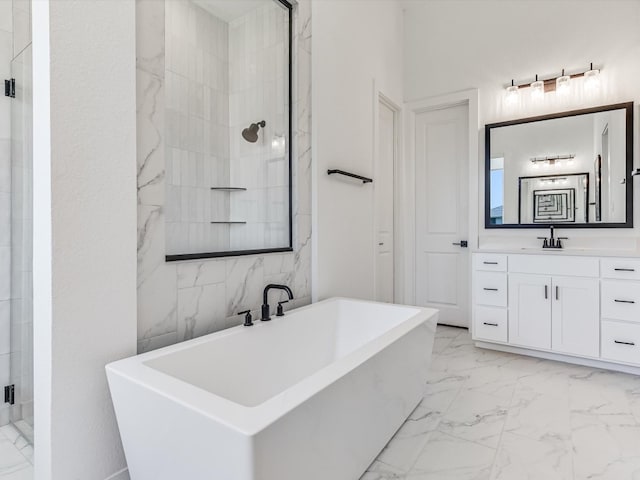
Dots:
pixel 229 10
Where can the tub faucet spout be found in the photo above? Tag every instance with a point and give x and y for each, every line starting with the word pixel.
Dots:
pixel 266 314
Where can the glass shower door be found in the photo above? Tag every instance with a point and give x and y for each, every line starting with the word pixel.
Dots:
pixel 22 246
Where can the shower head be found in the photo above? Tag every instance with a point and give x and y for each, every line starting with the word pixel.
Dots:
pixel 251 134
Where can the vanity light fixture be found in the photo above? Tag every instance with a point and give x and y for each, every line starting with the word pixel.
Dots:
pixel 553 181
pixel 560 84
pixel 552 160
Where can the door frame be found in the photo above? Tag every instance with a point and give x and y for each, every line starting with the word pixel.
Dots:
pixel 406 224
pixel 380 97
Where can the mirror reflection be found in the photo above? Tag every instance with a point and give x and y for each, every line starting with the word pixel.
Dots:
pixel 227 127
pixel 572 169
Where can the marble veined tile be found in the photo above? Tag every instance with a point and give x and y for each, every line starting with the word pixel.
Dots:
pixel 605 446
pixel 537 414
pixel 381 471
pixel 521 458
pixel 403 449
pixel 475 416
pixel 449 458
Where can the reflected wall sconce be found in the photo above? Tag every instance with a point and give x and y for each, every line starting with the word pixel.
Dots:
pixel 561 84
pixel 551 160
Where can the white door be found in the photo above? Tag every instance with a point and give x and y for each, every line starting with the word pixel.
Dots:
pixel 576 320
pixel 383 201
pixel 530 310
pixel 442 216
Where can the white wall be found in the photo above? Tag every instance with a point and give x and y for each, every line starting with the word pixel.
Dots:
pixel 457 44
pixel 84 229
pixel 356 42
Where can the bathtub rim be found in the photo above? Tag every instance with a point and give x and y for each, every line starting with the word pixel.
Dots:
pixel 250 420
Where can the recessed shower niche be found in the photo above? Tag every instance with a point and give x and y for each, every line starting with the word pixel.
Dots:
pixel 227 127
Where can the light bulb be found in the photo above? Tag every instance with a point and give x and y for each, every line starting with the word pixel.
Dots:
pixel 592 79
pixel 537 89
pixel 562 84
pixel 512 94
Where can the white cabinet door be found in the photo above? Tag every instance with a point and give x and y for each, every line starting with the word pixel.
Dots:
pixel 576 316
pixel 530 310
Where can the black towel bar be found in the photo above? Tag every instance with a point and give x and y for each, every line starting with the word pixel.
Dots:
pixel 352 175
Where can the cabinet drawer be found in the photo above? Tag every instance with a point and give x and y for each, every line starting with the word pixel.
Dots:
pixel 490 262
pixel 622 268
pixel 552 264
pixel 620 342
pixel 621 300
pixel 491 289
pixel 490 324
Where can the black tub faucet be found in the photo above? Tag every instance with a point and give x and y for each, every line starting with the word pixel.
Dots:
pixel 265 305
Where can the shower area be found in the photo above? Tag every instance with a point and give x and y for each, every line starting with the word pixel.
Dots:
pixel 16 251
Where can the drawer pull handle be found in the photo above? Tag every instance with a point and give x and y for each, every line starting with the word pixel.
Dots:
pixel 490 324
pixel 625 269
pixel 624 343
pixel 546 292
pixel 490 289
pixel 490 263
pixel 624 301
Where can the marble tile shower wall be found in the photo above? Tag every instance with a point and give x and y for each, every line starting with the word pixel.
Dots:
pixel 196 129
pixel 258 54
pixel 6 54
pixel 181 300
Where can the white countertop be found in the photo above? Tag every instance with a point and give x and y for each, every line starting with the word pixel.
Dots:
pixel 562 251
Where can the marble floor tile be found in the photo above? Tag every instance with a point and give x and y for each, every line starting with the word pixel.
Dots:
pixel 475 416
pixel 16 455
pixel 491 415
pixel 521 458
pixel 449 458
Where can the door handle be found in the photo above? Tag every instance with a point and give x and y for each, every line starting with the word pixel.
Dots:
pixel 461 244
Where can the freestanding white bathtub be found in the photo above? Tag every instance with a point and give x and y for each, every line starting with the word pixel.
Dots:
pixel 313 395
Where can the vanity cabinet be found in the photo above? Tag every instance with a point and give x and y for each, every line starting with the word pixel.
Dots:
pixel 575 316
pixel 529 310
pixel 563 305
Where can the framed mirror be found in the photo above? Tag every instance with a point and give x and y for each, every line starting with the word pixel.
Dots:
pixel 570 169
pixel 228 128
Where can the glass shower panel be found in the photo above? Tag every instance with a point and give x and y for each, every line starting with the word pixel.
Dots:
pixel 22 245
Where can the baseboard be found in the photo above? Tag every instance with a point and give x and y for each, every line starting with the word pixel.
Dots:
pixel 587 362
pixel 119 475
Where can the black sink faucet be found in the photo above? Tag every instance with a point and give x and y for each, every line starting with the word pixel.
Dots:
pixel 265 301
pixel 552 242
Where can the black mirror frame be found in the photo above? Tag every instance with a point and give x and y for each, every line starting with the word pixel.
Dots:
pixel 235 253
pixel 628 107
